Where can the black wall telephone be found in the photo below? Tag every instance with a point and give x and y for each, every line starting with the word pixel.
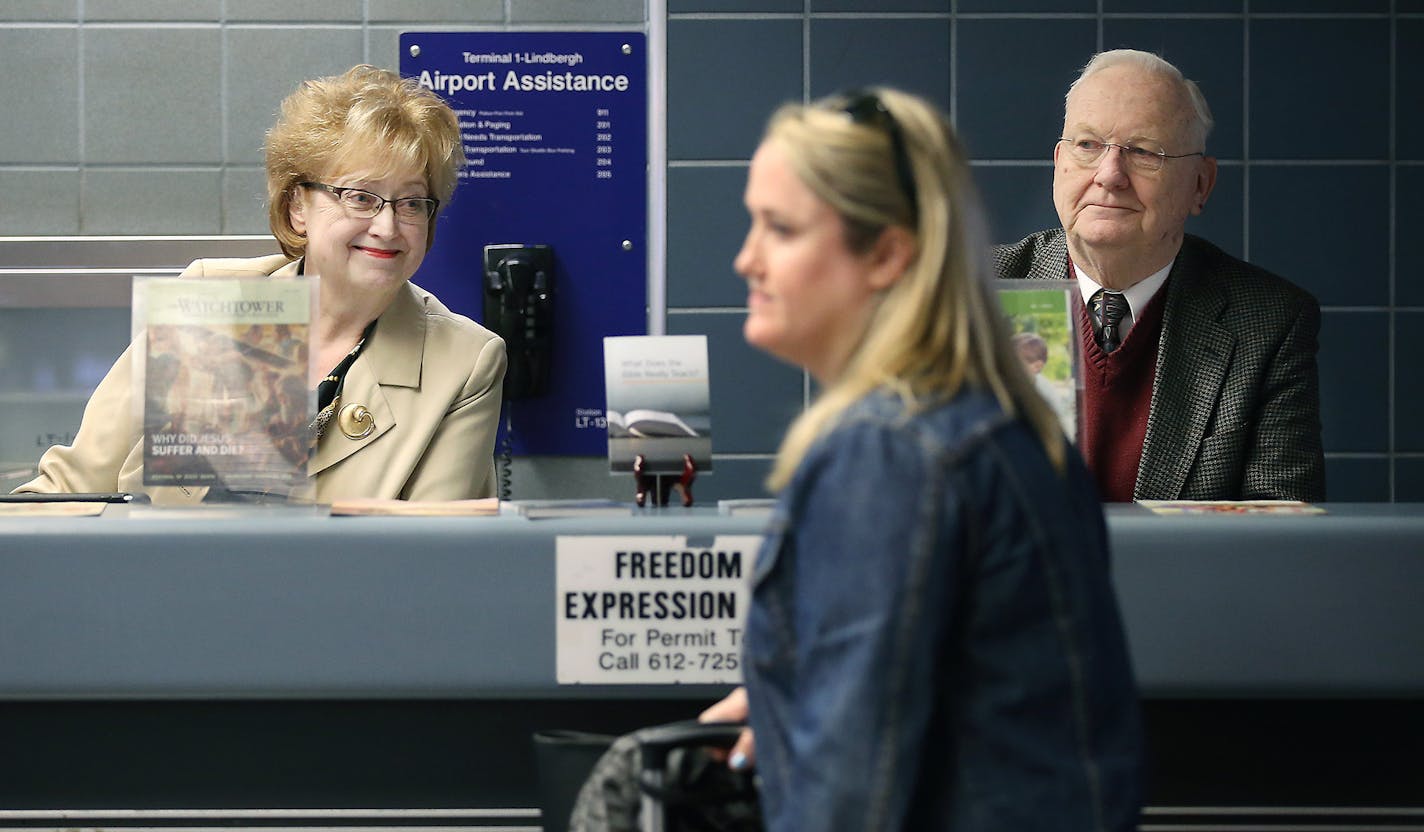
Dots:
pixel 519 307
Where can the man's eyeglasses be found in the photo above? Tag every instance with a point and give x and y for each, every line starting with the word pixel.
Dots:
pixel 865 107
pixel 1088 152
pixel 366 205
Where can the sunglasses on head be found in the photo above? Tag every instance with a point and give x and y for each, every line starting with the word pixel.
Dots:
pixel 865 107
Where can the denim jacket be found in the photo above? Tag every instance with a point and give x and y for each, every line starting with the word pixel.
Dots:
pixel 934 642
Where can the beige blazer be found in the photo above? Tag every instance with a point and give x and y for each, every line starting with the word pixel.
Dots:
pixel 431 379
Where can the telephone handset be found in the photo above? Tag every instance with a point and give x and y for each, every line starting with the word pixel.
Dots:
pixel 519 307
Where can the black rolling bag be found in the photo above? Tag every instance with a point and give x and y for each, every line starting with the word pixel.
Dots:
pixel 661 779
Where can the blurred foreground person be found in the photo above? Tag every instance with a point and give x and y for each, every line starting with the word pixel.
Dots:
pixel 933 642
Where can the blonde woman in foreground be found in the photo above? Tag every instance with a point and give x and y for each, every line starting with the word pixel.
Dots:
pixel 933 642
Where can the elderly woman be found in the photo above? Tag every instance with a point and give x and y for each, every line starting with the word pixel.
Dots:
pixel 408 392
pixel 933 641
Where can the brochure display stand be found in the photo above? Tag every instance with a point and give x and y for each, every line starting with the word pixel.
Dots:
pixel 659 413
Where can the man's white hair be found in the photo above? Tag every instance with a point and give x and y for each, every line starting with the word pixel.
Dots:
pixel 1201 121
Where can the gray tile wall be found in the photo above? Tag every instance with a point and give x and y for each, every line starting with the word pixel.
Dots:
pixel 146 117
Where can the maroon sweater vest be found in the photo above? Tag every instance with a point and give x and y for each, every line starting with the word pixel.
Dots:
pixel 1117 395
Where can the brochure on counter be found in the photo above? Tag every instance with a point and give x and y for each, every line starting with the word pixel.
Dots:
pixel 750 505
pixel 1179 507
pixel 221 383
pixel 548 509
pixel 374 507
pixel 52 508
pixel 1044 333
pixel 659 406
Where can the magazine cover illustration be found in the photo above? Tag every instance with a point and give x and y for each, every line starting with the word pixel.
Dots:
pixel 224 391
pixel 1045 338
pixel 658 402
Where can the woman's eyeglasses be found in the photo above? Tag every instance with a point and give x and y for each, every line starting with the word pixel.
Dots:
pixel 865 107
pixel 366 205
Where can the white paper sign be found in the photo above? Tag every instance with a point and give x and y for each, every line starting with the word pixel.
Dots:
pixel 652 609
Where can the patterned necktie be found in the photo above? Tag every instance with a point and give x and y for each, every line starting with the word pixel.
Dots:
pixel 1109 309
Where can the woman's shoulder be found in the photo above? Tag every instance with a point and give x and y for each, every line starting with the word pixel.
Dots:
pixel 885 410
pixel 237 266
pixel 932 428
pixel 445 324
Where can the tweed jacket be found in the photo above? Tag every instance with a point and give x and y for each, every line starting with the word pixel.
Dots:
pixel 1235 412
pixel 431 379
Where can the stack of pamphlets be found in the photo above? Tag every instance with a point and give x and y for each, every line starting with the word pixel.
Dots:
pixel 542 509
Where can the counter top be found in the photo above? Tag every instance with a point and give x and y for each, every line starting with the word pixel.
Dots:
pixel 286 603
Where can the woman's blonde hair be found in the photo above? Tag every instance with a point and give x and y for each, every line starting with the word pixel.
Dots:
pixel 939 326
pixel 368 121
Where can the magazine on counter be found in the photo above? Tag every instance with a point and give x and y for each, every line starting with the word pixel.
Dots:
pixel 659 405
pixel 1218 507
pixel 747 505
pixel 221 383
pixel 1044 334
pixel 380 507
pixel 549 509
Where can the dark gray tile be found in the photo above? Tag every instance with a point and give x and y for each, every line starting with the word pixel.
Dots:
pixel 1344 263
pixel 39 95
pixel 568 478
pixel 1210 52
pixel 576 11
pixel 912 55
pixel 118 201
pixel 1318 6
pixel 208 11
pixel 1018 199
pixel 1012 77
pixel 754 396
pixel 706 223
pixel 1356 480
pixel 1199 6
pixel 462 12
pixel 283 11
pixel 1354 381
pixel 40 10
pixel 1409 6
pixel 39 202
pixel 693 6
pixel 267 64
pixel 244 201
pixel 724 79
pixel 882 6
pixel 733 479
pixel 1409 243
pixel 138 109
pixel 1223 221
pixel 1408 371
pixel 1303 107
pixel 1010 6
pixel 1409 480
pixel 1409 88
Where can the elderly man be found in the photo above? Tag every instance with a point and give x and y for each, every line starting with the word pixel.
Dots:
pixel 1199 369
